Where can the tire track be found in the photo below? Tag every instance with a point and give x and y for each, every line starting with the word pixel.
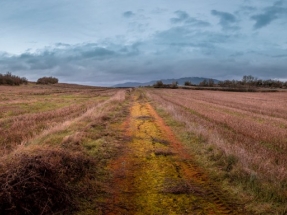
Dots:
pixel 155 175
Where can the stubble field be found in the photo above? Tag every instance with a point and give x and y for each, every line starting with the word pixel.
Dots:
pixel 240 137
pixel 70 149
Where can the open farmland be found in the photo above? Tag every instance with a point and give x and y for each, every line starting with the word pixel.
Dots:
pixel 70 149
pixel 240 137
pixel 54 147
pixel 28 111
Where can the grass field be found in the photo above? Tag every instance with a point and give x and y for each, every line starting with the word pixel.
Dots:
pixel 71 149
pixel 240 137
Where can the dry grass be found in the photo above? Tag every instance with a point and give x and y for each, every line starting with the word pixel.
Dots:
pixel 42 180
pixel 53 161
pixel 28 111
pixel 243 136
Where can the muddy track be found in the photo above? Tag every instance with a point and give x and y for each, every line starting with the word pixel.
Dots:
pixel 155 175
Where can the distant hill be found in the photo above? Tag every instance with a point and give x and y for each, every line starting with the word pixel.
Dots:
pixel 180 81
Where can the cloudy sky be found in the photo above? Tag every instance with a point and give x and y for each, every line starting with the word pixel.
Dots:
pixel 104 42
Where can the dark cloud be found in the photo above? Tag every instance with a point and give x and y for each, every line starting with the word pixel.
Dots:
pixel 128 14
pixel 227 20
pixel 269 15
pixel 185 18
pixel 263 19
pixel 181 16
pixel 171 58
pixel 68 62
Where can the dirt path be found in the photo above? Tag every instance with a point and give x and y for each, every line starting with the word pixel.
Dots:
pixel 154 175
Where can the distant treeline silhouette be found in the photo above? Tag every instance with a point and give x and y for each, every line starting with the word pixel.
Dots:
pixel 14 80
pixel 247 81
pixel 250 81
pixel 9 79
pixel 47 80
pixel 160 84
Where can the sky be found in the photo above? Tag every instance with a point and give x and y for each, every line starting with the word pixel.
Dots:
pixel 106 42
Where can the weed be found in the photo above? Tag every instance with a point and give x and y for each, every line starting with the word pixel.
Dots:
pixel 42 180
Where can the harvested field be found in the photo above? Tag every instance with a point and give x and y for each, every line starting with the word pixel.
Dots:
pixel 53 161
pixel 242 138
pixel 26 111
pixel 70 149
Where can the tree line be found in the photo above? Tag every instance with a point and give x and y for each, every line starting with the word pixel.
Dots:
pixel 246 81
pixel 14 80
pixel 250 81
pixel 9 79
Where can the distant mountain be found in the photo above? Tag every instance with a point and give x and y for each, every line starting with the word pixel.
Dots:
pixel 180 81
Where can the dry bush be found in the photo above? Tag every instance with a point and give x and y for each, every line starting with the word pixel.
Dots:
pixel 42 180
pixel 9 79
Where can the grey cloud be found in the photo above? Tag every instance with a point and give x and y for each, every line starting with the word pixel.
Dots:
pixel 181 16
pixel 62 45
pixel 128 14
pixel 97 52
pixel 118 63
pixel 280 56
pixel 227 20
pixel 278 3
pixel 269 15
pixel 185 37
pixel 83 55
pixel 245 10
pixel 263 19
pixel 158 11
pixel 248 8
pixel 184 17
pixel 224 17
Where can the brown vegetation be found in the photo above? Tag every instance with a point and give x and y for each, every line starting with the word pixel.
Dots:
pixel 27 113
pixel 42 180
pixel 55 145
pixel 244 137
pixel 9 79
pixel 47 80
pixel 58 143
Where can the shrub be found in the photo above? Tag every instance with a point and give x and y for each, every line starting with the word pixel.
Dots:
pixel 187 83
pixel 174 85
pixel 47 80
pixel 41 181
pixel 158 84
pixel 9 79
